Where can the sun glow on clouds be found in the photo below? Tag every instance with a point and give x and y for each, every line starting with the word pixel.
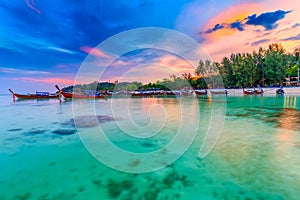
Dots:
pixel 236 13
pixel 146 69
pixel 148 73
pixel 221 38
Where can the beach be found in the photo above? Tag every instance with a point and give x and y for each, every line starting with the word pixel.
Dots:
pixel 269 91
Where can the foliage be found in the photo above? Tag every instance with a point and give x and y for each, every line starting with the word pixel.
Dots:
pixel 265 66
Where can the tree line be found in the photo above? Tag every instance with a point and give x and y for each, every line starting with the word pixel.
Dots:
pixel 267 66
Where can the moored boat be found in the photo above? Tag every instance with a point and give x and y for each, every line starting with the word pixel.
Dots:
pixel 37 95
pixel 253 91
pixel 280 91
pixel 258 91
pixel 201 92
pixel 219 91
pixel 248 91
pixel 68 95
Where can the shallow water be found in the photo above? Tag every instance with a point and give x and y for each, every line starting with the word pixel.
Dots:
pixel 257 155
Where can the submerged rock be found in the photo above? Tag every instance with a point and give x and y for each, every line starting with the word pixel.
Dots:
pixel 64 131
pixel 15 129
pixel 37 131
pixel 115 188
pixel 88 121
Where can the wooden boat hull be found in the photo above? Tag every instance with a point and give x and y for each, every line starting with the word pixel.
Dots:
pixel 248 92
pixel 81 96
pixel 67 95
pixel 258 92
pixel 34 96
pixel 201 92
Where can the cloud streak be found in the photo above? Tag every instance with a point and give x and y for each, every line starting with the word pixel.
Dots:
pixel 256 43
pixel 20 71
pixel 94 51
pixel 293 38
pixel 31 5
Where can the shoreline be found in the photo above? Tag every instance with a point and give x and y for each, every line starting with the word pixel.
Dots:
pixel 268 91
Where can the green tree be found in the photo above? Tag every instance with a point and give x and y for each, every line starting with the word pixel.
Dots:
pixel 276 64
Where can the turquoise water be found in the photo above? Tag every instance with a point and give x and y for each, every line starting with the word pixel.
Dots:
pixel 257 155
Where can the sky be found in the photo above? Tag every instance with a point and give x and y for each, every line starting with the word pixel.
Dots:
pixel 43 43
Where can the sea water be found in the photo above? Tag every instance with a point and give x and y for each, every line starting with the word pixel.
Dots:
pixel 45 154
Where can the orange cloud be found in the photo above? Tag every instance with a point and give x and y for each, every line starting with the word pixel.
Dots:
pixel 228 16
pixel 148 70
pixel 178 64
pixel 94 51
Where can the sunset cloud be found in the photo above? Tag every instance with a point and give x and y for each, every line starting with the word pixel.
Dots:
pixel 267 20
pixel 45 80
pixel 94 51
pixel 146 65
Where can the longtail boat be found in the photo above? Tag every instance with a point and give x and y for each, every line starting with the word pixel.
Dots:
pixel 248 91
pixel 37 95
pixel 68 95
pixel 201 92
pixel 280 91
pixel 258 91
pixel 219 91
pixel 251 91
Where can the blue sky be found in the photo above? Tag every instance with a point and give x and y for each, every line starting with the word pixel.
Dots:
pixel 41 42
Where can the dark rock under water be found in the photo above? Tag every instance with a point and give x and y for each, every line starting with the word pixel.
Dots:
pixel 64 131
pixel 15 129
pixel 88 121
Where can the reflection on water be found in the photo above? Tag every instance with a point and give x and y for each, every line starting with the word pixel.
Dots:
pixel 289 118
pixel 283 114
pixel 290 102
pixel 257 156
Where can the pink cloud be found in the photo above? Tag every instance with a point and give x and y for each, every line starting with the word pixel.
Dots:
pixel 31 5
pixel 46 80
pixel 178 64
pixel 94 51
pixel 148 70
